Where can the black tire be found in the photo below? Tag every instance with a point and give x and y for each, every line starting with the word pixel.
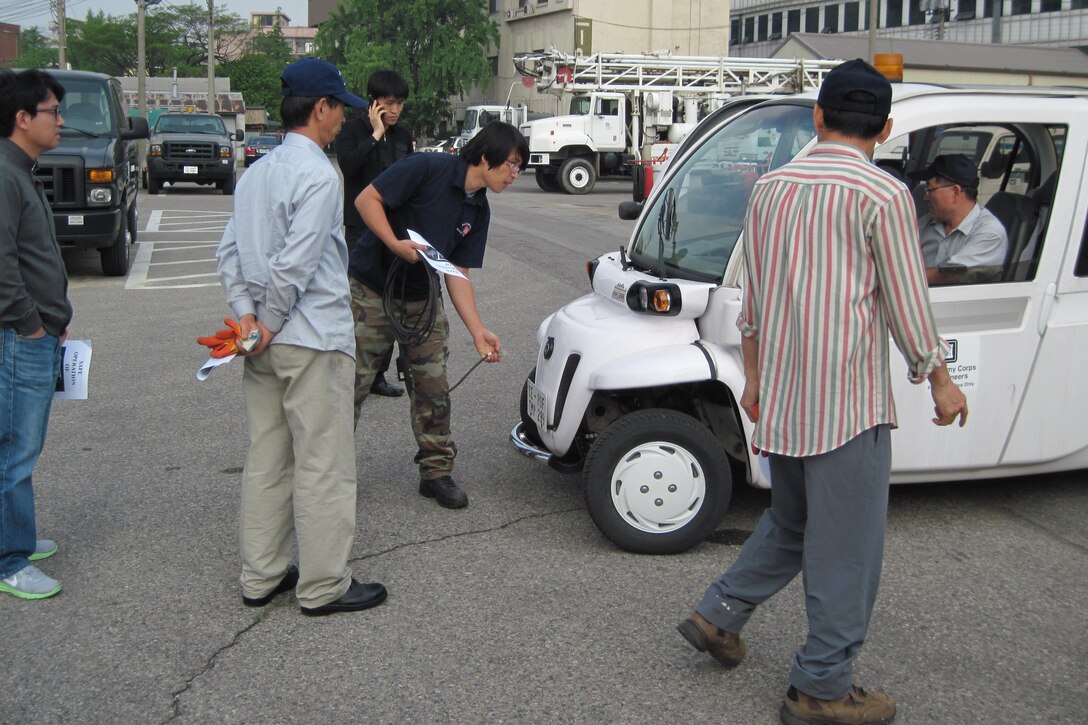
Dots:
pixel 577 175
pixel 115 256
pixel 133 222
pixel 154 186
pixel 227 186
pixel 529 427
pixel 547 180
pixel 657 482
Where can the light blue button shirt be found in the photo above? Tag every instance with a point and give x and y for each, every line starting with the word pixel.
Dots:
pixel 978 241
pixel 283 256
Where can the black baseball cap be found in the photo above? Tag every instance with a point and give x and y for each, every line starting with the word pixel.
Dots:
pixel 314 78
pixel 856 75
pixel 957 168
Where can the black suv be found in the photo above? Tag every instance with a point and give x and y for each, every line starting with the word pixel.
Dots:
pixel 91 179
pixel 191 147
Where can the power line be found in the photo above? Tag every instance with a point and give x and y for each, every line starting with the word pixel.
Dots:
pixel 598 21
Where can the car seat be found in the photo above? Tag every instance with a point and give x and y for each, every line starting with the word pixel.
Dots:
pixel 1019 215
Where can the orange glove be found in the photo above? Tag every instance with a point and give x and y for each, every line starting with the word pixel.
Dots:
pixel 223 342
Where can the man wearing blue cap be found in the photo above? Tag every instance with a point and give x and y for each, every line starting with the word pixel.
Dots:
pixel 832 267
pixel 961 240
pixel 283 264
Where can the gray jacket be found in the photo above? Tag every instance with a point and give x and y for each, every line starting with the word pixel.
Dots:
pixel 33 281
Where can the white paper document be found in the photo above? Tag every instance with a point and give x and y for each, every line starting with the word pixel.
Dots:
pixel 213 362
pixel 434 257
pixel 75 370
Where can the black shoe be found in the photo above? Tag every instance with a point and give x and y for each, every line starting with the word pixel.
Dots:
pixel 290 579
pixel 381 386
pixel 358 597
pixel 445 491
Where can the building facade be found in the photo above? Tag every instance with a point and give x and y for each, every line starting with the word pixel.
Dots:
pixel 758 27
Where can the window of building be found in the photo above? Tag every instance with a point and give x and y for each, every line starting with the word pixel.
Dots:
pixel 793 21
pixel 895 14
pixel 734 31
pixel 831 19
pixel 493 6
pixel 850 17
pixel 776 26
pixel 762 31
pixel 1079 5
pixel 987 8
pixel 916 15
pixel 749 30
pixel 494 62
pixel 1021 7
pixel 812 20
pixel 1050 6
pixel 965 10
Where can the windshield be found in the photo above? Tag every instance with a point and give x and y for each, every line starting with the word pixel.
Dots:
pixel 693 225
pixel 86 108
pixel 470 120
pixel 580 105
pixel 191 124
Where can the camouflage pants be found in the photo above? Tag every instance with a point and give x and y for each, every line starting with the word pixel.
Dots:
pixel 428 390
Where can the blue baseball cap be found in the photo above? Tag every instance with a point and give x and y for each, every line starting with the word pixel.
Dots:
pixel 314 78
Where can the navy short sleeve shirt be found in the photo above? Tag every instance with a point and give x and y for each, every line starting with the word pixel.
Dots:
pixel 425 193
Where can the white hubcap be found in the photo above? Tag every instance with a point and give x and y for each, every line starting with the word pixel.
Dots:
pixel 658 487
pixel 578 177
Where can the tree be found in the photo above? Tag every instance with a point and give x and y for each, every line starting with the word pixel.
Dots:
pixel 102 43
pixel 439 46
pixel 35 50
pixel 257 73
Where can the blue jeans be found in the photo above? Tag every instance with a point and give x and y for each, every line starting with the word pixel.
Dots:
pixel 28 378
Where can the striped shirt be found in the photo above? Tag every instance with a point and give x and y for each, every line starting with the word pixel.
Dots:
pixel 832 265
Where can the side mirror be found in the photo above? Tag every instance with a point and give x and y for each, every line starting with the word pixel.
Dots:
pixel 137 128
pixel 630 210
pixel 239 135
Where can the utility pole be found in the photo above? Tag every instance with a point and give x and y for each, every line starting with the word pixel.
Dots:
pixel 62 37
pixel 141 68
pixel 874 10
pixel 211 56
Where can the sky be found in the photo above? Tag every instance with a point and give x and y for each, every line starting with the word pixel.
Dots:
pixel 37 12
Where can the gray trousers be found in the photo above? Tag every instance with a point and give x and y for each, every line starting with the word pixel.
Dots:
pixel 826 521
pixel 299 479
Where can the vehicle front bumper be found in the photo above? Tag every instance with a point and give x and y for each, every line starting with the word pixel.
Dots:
pixel 87 228
pixel 216 170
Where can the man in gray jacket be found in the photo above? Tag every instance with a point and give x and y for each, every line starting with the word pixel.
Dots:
pixel 34 317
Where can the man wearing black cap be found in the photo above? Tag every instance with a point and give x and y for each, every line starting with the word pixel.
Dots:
pixel 959 237
pixel 825 237
pixel 283 264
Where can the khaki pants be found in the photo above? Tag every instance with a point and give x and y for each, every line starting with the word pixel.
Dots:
pixel 299 477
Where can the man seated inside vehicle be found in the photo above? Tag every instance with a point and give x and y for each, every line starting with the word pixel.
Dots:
pixel 961 241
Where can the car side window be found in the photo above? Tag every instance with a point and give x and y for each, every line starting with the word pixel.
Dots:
pixel 992 227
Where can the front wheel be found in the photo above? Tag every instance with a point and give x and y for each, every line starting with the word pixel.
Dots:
pixel 577 176
pixel 115 256
pixel 154 186
pixel 227 185
pixel 657 482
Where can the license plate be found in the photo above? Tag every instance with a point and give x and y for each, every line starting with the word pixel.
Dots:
pixel 191 170
pixel 537 405
pixel 262 152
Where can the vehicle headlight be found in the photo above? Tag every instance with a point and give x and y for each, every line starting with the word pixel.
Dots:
pixel 154 149
pixel 99 195
pixel 225 152
pixel 655 298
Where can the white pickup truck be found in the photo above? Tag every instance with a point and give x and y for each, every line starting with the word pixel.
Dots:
pixel 636 383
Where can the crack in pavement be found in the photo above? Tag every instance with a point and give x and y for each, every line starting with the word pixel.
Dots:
pixel 209 664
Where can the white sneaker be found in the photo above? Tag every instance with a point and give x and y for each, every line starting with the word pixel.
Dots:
pixel 43 549
pixel 29 583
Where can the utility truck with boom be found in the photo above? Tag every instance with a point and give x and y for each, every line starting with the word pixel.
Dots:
pixel 631 109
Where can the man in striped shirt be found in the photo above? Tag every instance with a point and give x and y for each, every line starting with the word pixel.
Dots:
pixel 833 265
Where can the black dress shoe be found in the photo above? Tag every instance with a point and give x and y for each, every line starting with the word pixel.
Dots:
pixel 290 579
pixel 358 597
pixel 381 386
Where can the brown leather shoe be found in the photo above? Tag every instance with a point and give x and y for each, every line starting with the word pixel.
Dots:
pixel 857 707
pixel 726 647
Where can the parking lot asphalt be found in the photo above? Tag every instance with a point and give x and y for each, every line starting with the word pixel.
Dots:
pixel 513 610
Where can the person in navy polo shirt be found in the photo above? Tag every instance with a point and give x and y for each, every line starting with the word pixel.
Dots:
pixel 443 198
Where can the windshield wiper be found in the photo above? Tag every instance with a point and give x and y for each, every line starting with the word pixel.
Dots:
pixel 88 134
pixel 666 228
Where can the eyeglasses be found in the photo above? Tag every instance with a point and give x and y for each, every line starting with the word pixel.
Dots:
pixel 931 189
pixel 53 111
pixel 514 166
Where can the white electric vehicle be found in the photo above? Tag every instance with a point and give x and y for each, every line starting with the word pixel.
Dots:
pixel 636 383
